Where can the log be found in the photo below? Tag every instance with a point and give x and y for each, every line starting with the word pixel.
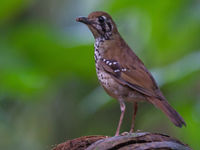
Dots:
pixel 127 141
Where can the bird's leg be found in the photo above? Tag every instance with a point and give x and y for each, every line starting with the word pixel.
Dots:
pixel 134 115
pixel 122 108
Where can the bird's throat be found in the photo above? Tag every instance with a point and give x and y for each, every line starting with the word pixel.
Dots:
pixel 98 52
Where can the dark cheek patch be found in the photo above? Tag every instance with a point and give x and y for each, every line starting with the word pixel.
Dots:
pixel 103 27
pixel 110 26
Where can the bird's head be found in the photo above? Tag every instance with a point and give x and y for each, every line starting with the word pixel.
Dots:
pixel 101 24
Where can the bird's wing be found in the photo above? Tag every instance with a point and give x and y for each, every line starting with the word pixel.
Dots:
pixel 137 78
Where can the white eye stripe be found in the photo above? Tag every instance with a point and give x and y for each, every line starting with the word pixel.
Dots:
pixel 104 17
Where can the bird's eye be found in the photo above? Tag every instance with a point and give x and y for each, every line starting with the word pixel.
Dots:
pixel 101 19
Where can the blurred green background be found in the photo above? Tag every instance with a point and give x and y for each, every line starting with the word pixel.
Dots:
pixel 49 91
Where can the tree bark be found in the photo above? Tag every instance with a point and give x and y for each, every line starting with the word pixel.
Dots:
pixel 136 141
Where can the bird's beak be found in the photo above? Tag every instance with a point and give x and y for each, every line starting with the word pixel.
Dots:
pixel 84 20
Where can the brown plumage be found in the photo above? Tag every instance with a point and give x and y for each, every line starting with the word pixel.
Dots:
pixel 121 73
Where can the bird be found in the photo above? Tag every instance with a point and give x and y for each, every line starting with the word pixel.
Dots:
pixel 121 72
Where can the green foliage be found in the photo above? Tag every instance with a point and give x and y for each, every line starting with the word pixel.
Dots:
pixel 48 88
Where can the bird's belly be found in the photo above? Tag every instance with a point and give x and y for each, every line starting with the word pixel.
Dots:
pixel 116 90
pixel 113 88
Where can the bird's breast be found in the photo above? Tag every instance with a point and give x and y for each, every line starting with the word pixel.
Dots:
pixel 105 79
pixel 111 86
pixel 108 83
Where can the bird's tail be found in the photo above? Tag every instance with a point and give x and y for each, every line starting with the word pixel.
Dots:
pixel 169 111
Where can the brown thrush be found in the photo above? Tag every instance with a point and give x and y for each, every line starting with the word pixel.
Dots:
pixel 121 73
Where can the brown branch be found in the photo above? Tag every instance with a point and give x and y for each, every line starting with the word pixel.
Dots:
pixel 136 141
